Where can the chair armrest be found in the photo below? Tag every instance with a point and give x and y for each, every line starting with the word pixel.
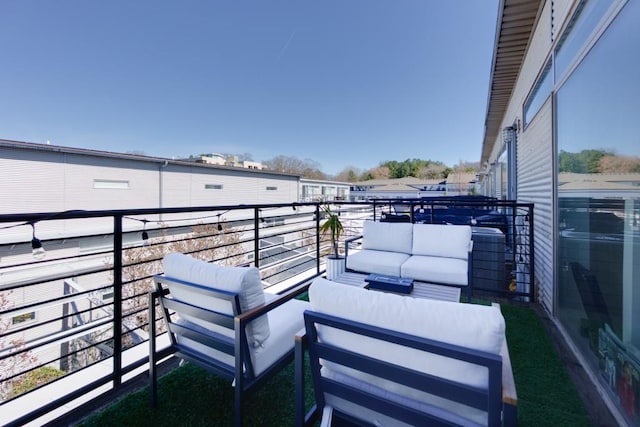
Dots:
pixel 509 395
pixel 470 248
pixel 302 418
pixel 249 315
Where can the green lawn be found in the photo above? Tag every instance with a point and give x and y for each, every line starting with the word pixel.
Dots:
pixel 189 396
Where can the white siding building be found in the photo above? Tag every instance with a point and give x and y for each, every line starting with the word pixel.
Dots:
pixel 39 177
pixel 560 133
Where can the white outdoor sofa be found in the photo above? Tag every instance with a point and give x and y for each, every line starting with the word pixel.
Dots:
pixel 383 359
pixel 434 253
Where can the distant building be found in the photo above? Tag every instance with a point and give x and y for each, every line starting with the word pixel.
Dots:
pixel 316 190
pixel 410 187
pixel 232 161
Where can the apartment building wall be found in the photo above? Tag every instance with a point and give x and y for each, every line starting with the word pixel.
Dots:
pixel 44 178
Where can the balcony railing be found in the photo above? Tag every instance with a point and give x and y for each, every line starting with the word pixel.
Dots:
pixel 58 312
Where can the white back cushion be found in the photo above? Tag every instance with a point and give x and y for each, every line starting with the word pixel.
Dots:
pixel 449 241
pixel 242 280
pixel 468 325
pixel 387 236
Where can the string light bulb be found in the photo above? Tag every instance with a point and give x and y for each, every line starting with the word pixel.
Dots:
pixel 37 250
pixel 145 234
pixel 219 225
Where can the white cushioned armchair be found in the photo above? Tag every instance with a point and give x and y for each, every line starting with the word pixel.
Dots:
pixel 383 359
pixel 220 318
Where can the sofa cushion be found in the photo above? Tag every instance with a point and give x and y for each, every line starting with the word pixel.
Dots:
pixel 450 241
pixel 468 325
pixel 450 271
pixel 387 236
pixel 375 261
pixel 242 280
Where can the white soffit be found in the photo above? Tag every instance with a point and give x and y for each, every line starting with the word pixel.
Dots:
pixel 515 24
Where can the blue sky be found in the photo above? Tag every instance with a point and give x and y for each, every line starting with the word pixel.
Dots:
pixel 341 82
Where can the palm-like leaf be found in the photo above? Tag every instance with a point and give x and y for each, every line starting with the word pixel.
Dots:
pixel 333 226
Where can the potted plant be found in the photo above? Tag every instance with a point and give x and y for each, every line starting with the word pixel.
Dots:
pixel 333 226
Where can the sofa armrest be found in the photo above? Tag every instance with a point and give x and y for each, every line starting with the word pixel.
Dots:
pixel 348 241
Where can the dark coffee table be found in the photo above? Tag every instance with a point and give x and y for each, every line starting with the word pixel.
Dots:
pixel 381 282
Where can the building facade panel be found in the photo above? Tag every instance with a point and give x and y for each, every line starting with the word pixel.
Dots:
pixel 41 172
pixel 535 185
pixel 96 183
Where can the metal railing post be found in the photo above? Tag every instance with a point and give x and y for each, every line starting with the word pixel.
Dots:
pixel 532 271
pixel 256 237
pixel 117 300
pixel 317 216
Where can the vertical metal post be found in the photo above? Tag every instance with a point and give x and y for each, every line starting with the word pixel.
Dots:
pixel 317 238
pixel 532 271
pixel 153 375
pixel 117 300
pixel 256 237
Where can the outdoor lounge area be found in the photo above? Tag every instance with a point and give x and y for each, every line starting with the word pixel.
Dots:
pixel 190 395
pixel 103 378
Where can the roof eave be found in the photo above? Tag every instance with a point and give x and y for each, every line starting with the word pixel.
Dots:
pixel 514 28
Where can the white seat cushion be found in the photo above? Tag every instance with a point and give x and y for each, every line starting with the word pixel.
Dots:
pixel 449 241
pixel 379 262
pixel 468 325
pixel 285 320
pixel 387 236
pixel 450 271
pixel 242 280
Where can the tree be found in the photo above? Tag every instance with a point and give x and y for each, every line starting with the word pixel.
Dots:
pixel 417 168
pixel 348 174
pixel 306 168
pixel 381 172
pixel 14 368
pixel 433 170
pixel 619 164
pixel 586 161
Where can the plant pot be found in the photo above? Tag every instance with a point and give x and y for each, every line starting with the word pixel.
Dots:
pixel 335 267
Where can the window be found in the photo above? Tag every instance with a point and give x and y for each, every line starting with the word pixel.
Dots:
pixel 213 186
pixel 597 271
pixel 539 94
pixel 111 184
pixel 586 18
pixel 271 188
pixel 16 320
pixel 273 222
pixel 107 295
